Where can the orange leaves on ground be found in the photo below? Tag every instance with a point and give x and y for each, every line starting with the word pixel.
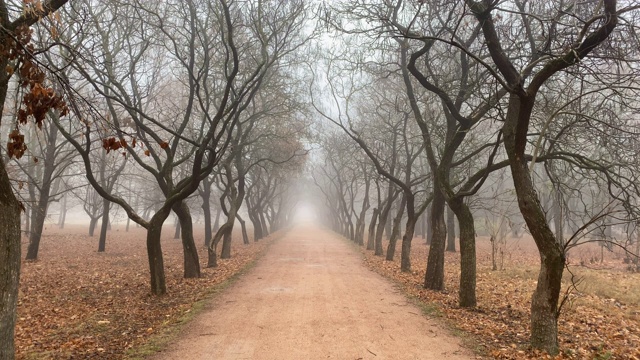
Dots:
pixel 77 303
pixel 590 327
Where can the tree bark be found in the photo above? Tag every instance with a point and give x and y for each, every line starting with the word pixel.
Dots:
pixel 206 209
pixel 379 231
pixel 451 230
pixel 372 230
pixel 92 225
pixel 467 292
pixel 37 225
pixel 395 232
pixel 154 252
pixel 434 276
pixel 558 216
pixel 190 252
pixel 40 210
pixel 544 302
pixel 106 204
pixel 9 263
pixel 243 226
pixel 257 226
pixel 428 227
pixel 360 223
pixel 178 229
pixel 212 250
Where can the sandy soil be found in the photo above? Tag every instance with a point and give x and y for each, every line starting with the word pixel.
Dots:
pixel 310 297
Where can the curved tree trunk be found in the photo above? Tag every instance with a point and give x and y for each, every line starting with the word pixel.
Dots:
pixel 544 302
pixel 154 251
pixel 212 250
pixel 190 252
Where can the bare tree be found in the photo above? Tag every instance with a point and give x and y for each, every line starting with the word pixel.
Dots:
pixel 217 79
pixel 15 35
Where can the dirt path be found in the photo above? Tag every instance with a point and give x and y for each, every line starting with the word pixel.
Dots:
pixel 310 297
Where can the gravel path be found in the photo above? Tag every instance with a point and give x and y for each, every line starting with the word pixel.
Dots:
pixel 310 297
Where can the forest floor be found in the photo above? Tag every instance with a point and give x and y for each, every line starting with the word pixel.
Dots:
pixel 76 303
pixel 600 319
pixel 310 297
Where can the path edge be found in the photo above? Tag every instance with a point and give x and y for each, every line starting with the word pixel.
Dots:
pixel 160 341
pixel 429 310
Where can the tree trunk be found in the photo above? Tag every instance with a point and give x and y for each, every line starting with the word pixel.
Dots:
pixel 27 220
pixel 206 209
pixel 39 216
pixel 558 217
pixel 189 250
pixel 395 232
pixel 405 258
pixel 257 226
pixel 428 226
pixel 92 225
pixel 544 304
pixel 434 276
pixel 379 231
pixel 372 230
pixel 388 226
pixel 243 226
pixel 106 204
pixel 176 234
pixel 467 293
pixel 213 260
pixel 225 253
pixel 9 263
pixel 265 225
pixel 37 225
pixel 154 252
pixel 216 224
pixel 63 212
pixel 361 222
pixel 451 230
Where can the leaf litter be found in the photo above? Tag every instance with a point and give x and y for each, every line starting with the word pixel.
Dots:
pixel 592 325
pixel 77 303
